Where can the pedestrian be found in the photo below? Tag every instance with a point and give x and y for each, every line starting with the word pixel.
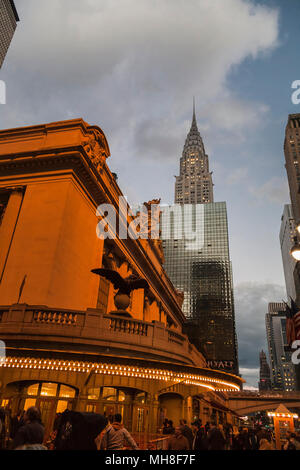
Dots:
pixel 32 432
pixel 116 435
pixel 168 427
pixel 265 445
pixel 178 441
pixel 2 429
pixel 291 443
pixel 16 422
pixel 228 431
pixel 261 434
pixel 215 438
pixel 187 432
pixel 200 440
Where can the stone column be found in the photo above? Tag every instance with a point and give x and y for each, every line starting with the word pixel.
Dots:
pixel 187 409
pixel 153 413
pixel 8 225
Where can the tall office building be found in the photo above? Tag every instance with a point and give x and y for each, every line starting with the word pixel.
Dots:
pixel 292 159
pixel 8 24
pixel 196 249
pixel 286 236
pixel 282 370
pixel 264 373
pixel 194 184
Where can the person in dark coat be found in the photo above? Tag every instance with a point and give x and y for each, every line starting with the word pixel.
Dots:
pixel 168 427
pixel 178 441
pixel 16 422
pixel 187 432
pixel 200 440
pixel 215 438
pixel 32 432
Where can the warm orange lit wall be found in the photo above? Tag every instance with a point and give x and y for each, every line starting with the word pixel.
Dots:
pixel 55 244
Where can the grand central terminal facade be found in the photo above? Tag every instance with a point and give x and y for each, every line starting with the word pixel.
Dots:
pixel 68 343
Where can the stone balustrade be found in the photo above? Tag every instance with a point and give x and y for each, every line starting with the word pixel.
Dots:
pixel 93 329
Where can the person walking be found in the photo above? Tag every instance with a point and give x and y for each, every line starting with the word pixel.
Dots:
pixel 178 441
pixel 187 432
pixel 199 441
pixel 32 432
pixel 215 438
pixel 116 435
pixel 168 427
pixel 265 445
pixel 16 422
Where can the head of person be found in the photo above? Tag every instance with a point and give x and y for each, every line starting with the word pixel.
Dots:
pixel 264 444
pixel 117 418
pixel 212 424
pixel 178 431
pixel 32 414
pixel 182 422
pixel 196 425
pixel 170 423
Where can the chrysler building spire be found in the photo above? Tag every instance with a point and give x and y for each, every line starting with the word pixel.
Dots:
pixel 194 184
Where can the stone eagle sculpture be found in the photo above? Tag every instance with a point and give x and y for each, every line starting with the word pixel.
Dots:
pixel 124 285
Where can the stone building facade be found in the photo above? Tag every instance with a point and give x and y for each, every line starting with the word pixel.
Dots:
pixel 66 347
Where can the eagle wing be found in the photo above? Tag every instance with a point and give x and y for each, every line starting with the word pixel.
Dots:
pixel 112 276
pixel 137 284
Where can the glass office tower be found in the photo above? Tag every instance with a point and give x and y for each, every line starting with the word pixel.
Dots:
pixel 196 248
pixel 8 24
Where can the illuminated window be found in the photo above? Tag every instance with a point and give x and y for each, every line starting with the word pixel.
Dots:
pixel 62 405
pixel 93 393
pixel 109 393
pixel 122 396
pixel 49 390
pixel 90 408
pixel 66 392
pixel 29 402
pixel 141 397
pixel 33 390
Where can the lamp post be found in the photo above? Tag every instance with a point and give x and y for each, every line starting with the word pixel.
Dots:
pixel 295 251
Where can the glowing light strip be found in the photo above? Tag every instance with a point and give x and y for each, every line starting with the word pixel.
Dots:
pixel 283 415
pixel 108 369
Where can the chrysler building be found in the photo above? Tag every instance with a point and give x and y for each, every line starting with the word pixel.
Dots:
pixel 194 184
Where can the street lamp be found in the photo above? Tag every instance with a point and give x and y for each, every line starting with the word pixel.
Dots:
pixel 295 251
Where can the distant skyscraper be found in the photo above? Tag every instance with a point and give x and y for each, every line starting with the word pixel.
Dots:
pixel 196 249
pixel 282 369
pixel 194 184
pixel 264 373
pixel 8 24
pixel 287 234
pixel 292 158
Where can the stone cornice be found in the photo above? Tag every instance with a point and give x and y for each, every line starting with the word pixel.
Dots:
pixel 45 149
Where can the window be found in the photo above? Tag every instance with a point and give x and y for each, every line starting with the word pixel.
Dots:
pixel 49 389
pixel 93 393
pixel 33 390
pixel 109 394
pixel 66 392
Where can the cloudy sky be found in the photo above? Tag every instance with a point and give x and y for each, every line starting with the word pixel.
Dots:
pixel 133 66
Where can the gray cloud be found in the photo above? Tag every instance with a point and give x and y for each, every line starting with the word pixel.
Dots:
pixel 274 190
pixel 251 305
pixel 133 66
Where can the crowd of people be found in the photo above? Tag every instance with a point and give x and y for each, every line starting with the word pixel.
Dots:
pixel 26 432
pixel 222 437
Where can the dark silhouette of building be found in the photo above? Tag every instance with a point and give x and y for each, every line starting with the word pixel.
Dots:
pixel 264 373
